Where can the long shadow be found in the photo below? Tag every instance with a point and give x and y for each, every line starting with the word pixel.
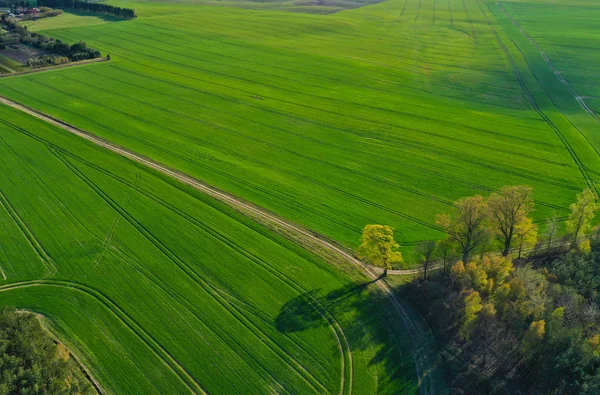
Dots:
pixel 99 15
pixel 370 324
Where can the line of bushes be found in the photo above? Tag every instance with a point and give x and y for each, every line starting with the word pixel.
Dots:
pixel 61 52
pixel 127 13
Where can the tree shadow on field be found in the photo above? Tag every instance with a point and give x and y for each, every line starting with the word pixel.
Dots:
pixel 372 326
pixel 99 15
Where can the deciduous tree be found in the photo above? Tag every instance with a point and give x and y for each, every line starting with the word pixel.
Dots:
pixel 526 235
pixel 445 249
pixel 472 307
pixel 534 335
pixel 508 208
pixel 378 247
pixel 582 213
pixel 551 229
pixel 426 251
pixel 469 228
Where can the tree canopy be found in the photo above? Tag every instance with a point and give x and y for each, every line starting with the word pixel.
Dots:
pixel 378 247
pixel 31 362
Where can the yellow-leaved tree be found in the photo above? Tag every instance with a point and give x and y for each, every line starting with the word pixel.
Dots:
pixel 378 247
pixel 582 213
pixel 534 335
pixel 526 235
pixel 472 307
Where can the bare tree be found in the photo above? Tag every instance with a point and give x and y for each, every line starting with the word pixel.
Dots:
pixel 508 208
pixel 445 249
pixel 426 251
pixel 469 228
pixel 551 229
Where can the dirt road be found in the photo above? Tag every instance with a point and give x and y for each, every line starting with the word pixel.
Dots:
pixel 419 353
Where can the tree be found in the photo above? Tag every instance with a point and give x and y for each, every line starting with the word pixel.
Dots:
pixel 525 234
pixel 534 335
pixel 477 276
pixel 426 251
pixel 551 229
pixel 508 208
pixel 378 247
pixel 472 307
pixel 469 228
pixel 445 249
pixel 582 212
pixel 31 362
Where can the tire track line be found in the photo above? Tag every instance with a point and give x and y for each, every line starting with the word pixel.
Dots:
pixel 421 362
pixel 588 179
pixel 211 290
pixel 344 347
pixel 29 236
pixel 125 318
pixel 579 99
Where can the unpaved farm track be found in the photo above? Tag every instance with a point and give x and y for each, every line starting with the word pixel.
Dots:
pixel 422 366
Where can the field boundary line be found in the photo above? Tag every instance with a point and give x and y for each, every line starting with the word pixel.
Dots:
pixel 43 320
pixel 421 363
pixel 61 66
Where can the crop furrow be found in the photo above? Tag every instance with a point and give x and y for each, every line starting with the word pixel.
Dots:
pixel 186 269
pixel 125 318
pixel 29 236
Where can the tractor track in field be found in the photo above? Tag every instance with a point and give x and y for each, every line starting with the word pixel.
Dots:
pixel 125 319
pixel 404 141
pixel 588 179
pixel 350 195
pixel 577 97
pixel 211 290
pixel 343 344
pixel 29 236
pixel 320 142
pixel 422 366
pixel 74 219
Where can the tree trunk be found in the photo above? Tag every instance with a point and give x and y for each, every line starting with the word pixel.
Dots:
pixel 465 256
pixel 385 265
pixel 506 249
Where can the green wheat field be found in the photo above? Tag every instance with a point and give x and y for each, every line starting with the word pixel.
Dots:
pixel 331 114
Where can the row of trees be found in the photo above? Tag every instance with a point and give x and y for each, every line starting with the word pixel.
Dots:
pixel 508 328
pixel 122 12
pixel 529 326
pixel 501 222
pixel 61 51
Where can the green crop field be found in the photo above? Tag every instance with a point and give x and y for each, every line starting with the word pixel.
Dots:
pixel 161 289
pixel 332 114
pixel 381 114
